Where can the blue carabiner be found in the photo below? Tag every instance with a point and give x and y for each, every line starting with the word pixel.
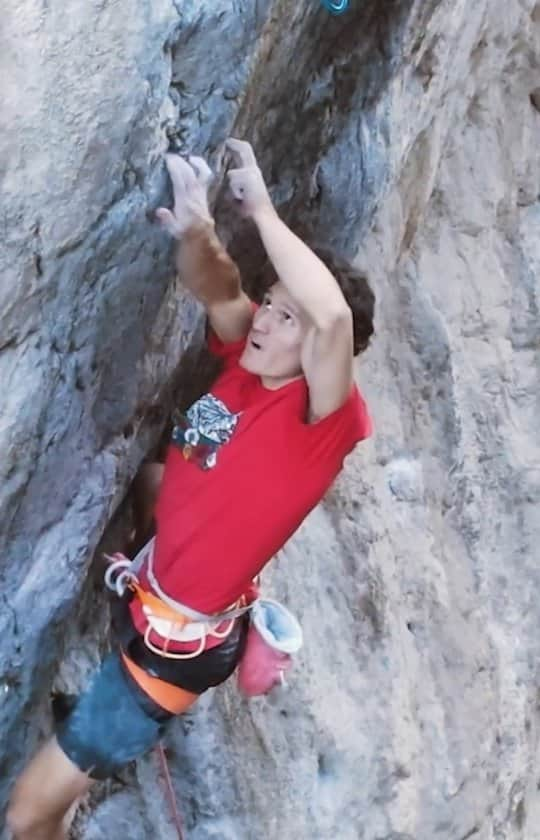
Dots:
pixel 336 7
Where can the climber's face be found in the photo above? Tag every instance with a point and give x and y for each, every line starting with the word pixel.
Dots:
pixel 273 348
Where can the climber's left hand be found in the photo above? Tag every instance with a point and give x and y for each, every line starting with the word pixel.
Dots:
pixel 247 183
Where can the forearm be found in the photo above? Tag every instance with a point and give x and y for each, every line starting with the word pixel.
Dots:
pixel 306 278
pixel 207 270
pixel 205 267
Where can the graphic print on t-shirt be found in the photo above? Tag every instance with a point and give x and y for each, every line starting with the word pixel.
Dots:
pixel 206 426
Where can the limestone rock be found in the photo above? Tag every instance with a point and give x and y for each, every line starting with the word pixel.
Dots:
pixel 406 134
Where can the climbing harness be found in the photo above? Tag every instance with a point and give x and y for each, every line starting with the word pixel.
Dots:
pixel 273 636
pixel 336 7
pixel 166 617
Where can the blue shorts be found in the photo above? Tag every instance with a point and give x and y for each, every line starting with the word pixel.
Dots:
pixel 112 723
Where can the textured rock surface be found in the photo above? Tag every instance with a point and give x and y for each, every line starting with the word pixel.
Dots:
pixel 408 134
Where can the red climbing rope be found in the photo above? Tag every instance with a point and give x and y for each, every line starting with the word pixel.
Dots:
pixel 170 790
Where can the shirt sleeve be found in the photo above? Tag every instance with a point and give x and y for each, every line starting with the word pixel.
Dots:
pixel 333 437
pixel 229 351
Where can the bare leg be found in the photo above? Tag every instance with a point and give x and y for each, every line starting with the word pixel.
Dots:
pixel 44 794
pixel 146 486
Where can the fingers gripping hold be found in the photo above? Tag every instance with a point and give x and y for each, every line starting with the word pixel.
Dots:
pixel 246 182
pixel 190 184
pixel 203 172
pixel 236 183
pixel 180 173
pixel 242 151
pixel 166 218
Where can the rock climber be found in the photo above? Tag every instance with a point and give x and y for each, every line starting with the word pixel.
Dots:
pixel 245 465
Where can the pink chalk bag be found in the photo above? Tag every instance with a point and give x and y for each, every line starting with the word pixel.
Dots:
pixel 273 636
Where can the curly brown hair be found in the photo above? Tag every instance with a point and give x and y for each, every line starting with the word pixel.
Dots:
pixel 354 286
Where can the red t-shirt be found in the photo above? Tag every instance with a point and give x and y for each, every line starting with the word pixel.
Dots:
pixel 221 517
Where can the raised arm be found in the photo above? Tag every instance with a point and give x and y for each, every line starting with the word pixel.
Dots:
pixel 207 270
pixel 202 262
pixel 327 354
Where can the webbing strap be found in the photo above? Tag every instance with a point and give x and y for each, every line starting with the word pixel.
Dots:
pixel 122 571
pixel 228 615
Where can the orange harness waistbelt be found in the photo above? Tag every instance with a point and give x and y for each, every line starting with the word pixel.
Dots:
pixel 170 697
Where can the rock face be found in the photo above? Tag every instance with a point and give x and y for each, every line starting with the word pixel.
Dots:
pixel 407 134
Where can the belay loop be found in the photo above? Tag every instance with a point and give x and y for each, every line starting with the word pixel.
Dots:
pixel 336 7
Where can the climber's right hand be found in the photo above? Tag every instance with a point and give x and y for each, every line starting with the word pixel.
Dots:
pixel 190 183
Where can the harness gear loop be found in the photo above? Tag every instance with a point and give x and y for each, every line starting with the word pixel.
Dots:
pixel 170 654
pixel 118 574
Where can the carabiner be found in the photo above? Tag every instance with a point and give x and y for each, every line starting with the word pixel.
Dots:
pixel 336 7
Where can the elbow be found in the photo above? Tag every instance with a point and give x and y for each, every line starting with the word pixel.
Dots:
pixel 337 317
